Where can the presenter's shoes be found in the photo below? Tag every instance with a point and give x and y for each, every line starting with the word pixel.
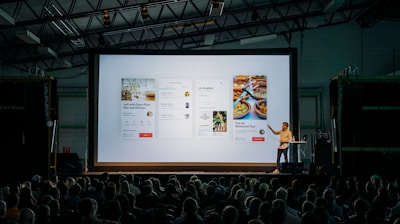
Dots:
pixel 276 171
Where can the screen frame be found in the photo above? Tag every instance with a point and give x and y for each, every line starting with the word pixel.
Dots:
pixel 94 165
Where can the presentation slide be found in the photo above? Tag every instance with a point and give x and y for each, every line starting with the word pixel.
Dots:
pixel 191 108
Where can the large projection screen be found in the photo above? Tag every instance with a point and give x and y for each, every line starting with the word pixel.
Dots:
pixel 189 110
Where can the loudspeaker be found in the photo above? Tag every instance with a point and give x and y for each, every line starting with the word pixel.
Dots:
pixel 323 153
pixel 292 167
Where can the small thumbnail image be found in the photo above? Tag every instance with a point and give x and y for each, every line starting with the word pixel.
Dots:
pixel 219 121
pixel 187 93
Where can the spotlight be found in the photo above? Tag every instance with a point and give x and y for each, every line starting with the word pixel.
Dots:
pixel 106 18
pixel 144 12
pixel 216 7
pixel 215 3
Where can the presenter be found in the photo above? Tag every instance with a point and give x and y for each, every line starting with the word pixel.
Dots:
pixel 284 140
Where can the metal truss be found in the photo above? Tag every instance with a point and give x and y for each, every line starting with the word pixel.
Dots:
pixel 72 28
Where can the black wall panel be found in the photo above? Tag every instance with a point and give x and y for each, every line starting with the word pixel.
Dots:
pixel 369 113
pixel 24 139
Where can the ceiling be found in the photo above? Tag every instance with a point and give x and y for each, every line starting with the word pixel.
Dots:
pixel 46 35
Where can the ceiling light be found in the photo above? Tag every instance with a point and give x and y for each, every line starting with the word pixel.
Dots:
pixel 253 40
pixel 27 36
pixel 6 19
pixel 106 18
pixel 64 25
pixel 144 12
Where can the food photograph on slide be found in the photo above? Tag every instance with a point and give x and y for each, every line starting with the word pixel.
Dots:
pixel 250 97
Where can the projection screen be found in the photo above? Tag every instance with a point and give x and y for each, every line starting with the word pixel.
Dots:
pixel 191 109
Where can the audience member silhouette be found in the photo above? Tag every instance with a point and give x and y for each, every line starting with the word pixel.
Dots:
pixel 3 209
pixel 278 215
pixel 126 216
pixel 26 216
pixel 309 218
pixel 334 209
pixel 253 210
pixel 88 212
pixel 307 206
pixel 132 184
pixel 148 198
pixel 42 214
pixel 124 187
pixel 361 206
pixel 113 211
pixel 323 214
pixel 213 218
pixel 282 193
pixel 56 217
pixel 189 213
pixel 98 193
pixel 230 215
pixel 265 212
pixel 73 197
pixel 170 198
pixel 289 218
pixel 26 199
pixel 12 210
pixel 136 211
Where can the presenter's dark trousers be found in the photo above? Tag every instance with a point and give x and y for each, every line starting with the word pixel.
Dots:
pixel 280 152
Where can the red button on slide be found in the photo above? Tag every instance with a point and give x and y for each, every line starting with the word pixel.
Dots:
pixel 258 139
pixel 145 135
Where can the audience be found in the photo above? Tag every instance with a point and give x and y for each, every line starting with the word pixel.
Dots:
pixel 119 199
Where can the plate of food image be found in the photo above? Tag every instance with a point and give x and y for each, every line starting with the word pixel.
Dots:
pixel 260 93
pixel 241 109
pixel 261 108
pixel 238 92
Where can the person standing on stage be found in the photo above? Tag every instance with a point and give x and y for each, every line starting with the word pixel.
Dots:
pixel 284 140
